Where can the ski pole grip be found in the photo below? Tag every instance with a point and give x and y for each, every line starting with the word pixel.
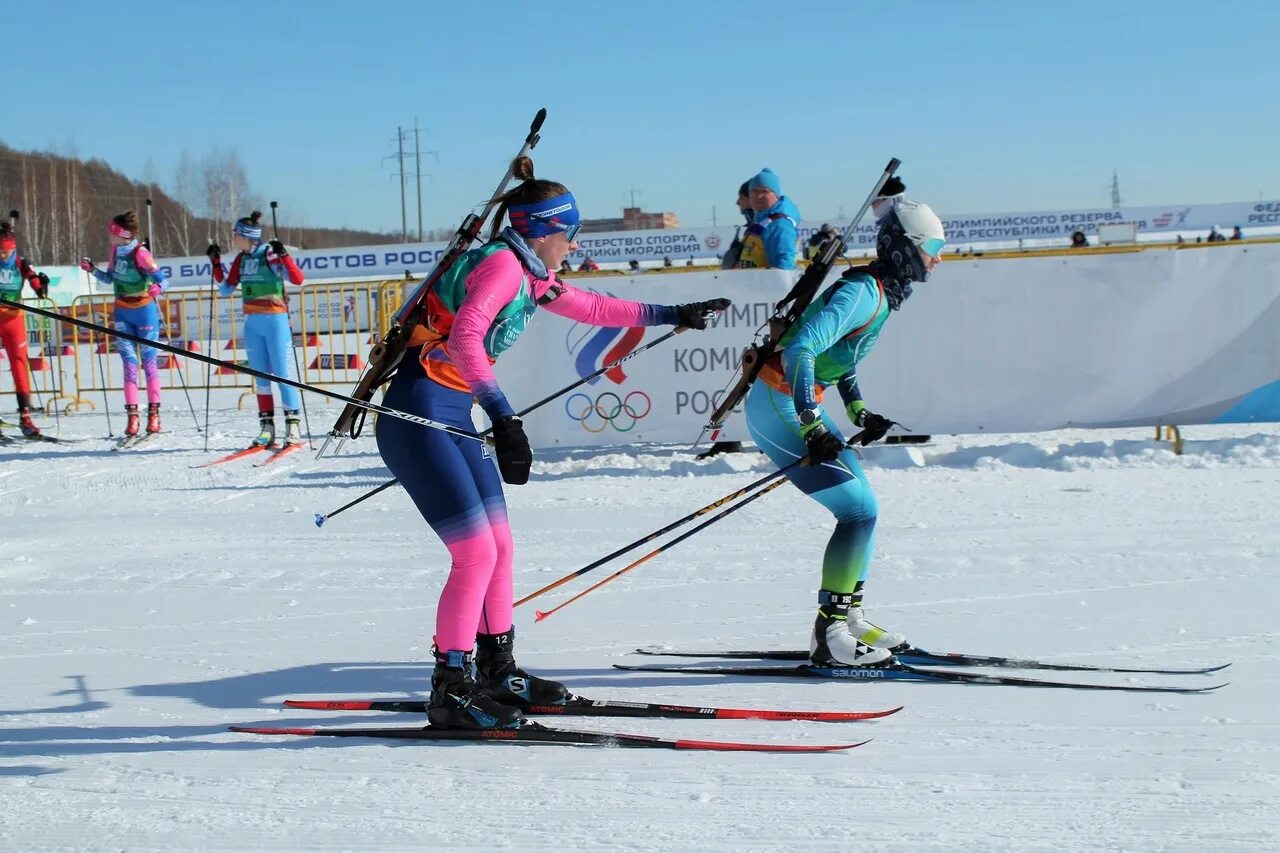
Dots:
pixel 894 163
pixel 538 120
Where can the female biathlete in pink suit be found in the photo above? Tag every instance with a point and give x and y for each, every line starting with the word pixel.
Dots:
pixel 136 280
pixel 473 313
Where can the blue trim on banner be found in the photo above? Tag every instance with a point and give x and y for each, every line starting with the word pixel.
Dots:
pixel 1261 404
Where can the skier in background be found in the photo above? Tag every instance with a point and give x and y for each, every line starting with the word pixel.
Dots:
pixel 136 279
pixel 14 270
pixel 474 312
pixel 259 271
pixel 787 420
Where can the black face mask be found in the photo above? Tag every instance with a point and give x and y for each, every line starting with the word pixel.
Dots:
pixel 898 261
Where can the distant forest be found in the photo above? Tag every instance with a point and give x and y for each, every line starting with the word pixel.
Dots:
pixel 64 204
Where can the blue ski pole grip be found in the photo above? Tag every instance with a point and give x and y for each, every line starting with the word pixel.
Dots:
pixel 320 520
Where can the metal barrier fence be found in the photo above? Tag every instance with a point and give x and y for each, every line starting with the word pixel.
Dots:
pixel 334 327
pixel 46 370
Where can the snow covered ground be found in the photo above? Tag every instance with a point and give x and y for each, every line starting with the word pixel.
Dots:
pixel 145 605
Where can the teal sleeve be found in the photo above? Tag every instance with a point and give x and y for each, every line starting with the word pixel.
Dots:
pixel 848 307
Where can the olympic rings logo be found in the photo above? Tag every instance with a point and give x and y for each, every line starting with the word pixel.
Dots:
pixel 608 410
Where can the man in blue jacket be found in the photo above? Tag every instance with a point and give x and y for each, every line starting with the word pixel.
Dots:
pixel 772 237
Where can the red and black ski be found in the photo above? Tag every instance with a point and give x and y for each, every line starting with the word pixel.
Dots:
pixel 535 733
pixel 578 706
pixel 239 454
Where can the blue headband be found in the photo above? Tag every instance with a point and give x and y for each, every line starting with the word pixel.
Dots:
pixel 249 232
pixel 545 217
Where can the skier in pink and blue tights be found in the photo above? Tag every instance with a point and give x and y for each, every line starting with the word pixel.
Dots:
pixel 473 313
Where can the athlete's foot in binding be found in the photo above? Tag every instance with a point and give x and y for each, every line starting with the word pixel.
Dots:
pixel 833 645
pixel 456 703
pixel 153 418
pixel 28 426
pixel 292 428
pixel 873 635
pixel 498 677
pixel 266 429
pixel 132 424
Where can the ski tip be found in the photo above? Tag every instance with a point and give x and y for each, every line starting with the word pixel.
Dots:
pixel 539 615
pixel 320 519
pixel 267 730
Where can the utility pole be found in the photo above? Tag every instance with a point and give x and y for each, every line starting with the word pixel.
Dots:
pixel 404 222
pixel 713 216
pixel 1115 189
pixel 417 171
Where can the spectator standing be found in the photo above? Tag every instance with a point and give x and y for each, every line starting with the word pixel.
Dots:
pixel 1078 240
pixel 734 252
pixel 772 239
pixel 588 265
pixel 1236 233
pixel 1216 236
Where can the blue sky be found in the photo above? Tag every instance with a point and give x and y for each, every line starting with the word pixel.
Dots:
pixel 992 106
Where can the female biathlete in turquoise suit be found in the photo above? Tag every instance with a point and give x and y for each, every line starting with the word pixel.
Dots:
pixel 474 313
pixel 786 418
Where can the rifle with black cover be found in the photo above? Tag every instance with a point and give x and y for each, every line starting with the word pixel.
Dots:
pixel 789 309
pixel 386 354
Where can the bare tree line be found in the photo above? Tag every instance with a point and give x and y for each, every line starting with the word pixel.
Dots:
pixel 65 203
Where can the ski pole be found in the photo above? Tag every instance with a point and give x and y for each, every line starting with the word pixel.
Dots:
pixel 102 370
pixel 321 519
pixel 732 496
pixel 297 366
pixel 208 368
pixel 261 374
pixel 539 615
pixel 164 317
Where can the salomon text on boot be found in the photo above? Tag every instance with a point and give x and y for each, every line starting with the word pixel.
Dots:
pixel 498 676
pixel 832 643
pixel 457 704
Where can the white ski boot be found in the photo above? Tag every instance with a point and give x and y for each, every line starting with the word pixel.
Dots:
pixel 833 643
pixel 292 427
pixel 873 635
pixel 267 429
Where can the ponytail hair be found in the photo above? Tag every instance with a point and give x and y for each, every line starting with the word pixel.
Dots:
pixel 530 190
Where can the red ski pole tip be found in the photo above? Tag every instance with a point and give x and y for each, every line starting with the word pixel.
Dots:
pixel 539 615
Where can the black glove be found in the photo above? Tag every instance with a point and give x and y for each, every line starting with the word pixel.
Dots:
pixel 278 248
pixel 214 252
pixel 514 456
pixel 823 445
pixel 41 285
pixel 691 314
pixel 874 427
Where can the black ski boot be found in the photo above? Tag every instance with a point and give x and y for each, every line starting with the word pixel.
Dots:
pixel 498 676
pixel 457 704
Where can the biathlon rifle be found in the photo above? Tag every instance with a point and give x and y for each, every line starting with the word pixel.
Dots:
pixel 386 354
pixel 788 310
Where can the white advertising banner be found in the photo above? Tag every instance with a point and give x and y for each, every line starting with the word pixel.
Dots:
pixel 681 244
pixel 1023 344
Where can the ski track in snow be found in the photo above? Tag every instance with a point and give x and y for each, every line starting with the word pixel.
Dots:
pixel 147 604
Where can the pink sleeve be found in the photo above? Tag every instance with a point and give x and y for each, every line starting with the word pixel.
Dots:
pixel 146 263
pixel 490 287
pixel 598 309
